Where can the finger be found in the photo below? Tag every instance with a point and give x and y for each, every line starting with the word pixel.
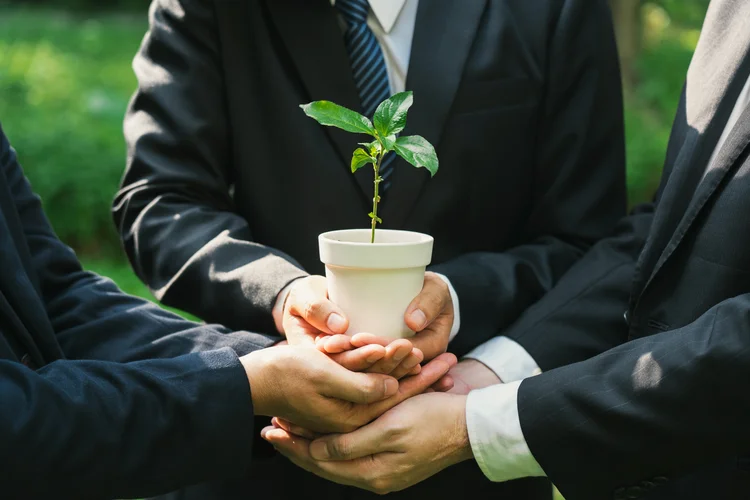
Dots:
pixel 432 342
pixel 445 384
pixel 297 450
pixel 365 441
pixel 417 369
pixel 299 332
pixel 265 430
pixel 413 360
pixel 284 441
pixel 411 386
pixel 428 305
pixel 309 301
pixel 363 339
pixel 337 343
pixel 396 352
pixel 359 388
pixel 361 359
pixel 294 429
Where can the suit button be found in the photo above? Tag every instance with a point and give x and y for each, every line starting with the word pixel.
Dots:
pixel 660 480
pixel 626 317
pixel 26 361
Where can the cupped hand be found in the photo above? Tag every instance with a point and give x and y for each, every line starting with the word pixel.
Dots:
pixel 399 359
pixel 309 315
pixel 307 388
pixel 405 446
pixel 431 316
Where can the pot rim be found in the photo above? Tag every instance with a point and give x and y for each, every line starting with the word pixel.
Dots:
pixel 380 255
pixel 329 237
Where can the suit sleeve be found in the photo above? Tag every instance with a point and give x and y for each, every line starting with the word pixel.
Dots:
pixel 174 212
pixel 91 317
pixel 81 428
pixel 647 411
pixel 584 315
pixel 580 191
pixel 91 429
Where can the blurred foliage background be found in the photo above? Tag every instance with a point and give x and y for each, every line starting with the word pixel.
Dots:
pixel 65 80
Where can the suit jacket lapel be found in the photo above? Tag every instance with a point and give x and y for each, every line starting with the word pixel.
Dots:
pixel 724 163
pixel 311 32
pixel 717 74
pixel 443 36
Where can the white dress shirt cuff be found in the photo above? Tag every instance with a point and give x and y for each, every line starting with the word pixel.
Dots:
pixel 506 358
pixel 456 314
pixel 495 434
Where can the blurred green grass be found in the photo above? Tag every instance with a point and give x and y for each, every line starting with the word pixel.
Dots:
pixel 65 80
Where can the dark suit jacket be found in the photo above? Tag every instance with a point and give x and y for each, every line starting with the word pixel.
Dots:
pixel 83 413
pixel 228 183
pixel 662 414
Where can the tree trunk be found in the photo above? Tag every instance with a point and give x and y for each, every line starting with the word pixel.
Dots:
pixel 627 19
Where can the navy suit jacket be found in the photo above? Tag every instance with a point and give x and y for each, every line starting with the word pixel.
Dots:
pixel 86 409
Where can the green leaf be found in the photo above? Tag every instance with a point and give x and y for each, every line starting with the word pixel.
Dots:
pixel 373 216
pixel 417 151
pixel 390 117
pixel 389 142
pixel 333 115
pixel 360 158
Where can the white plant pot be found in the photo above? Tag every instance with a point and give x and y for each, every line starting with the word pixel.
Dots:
pixel 374 283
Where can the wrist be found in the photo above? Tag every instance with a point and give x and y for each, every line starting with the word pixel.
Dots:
pixel 476 374
pixel 456 326
pixel 483 374
pixel 256 366
pixel 279 306
pixel 461 442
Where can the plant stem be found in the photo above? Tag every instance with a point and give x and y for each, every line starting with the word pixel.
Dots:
pixel 376 198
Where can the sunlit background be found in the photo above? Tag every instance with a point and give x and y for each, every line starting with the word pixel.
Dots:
pixel 65 80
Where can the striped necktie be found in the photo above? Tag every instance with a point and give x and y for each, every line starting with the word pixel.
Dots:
pixel 368 67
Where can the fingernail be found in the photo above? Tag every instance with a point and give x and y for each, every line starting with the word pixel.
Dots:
pixel 391 387
pixel 336 323
pixel 418 319
pixel 319 450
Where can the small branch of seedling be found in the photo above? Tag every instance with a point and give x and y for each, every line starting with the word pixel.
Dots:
pixel 389 120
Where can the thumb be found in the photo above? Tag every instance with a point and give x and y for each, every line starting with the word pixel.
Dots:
pixel 416 384
pixel 309 301
pixel 359 388
pixel 431 301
